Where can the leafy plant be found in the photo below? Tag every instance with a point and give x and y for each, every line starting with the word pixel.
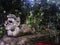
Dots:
pixel 2 31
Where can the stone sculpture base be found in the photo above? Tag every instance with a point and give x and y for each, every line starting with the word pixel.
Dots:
pixel 6 40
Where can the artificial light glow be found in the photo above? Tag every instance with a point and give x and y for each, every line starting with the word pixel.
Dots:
pixel 47 0
pixel 29 2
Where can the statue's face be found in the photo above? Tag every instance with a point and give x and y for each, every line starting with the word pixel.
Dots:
pixel 11 20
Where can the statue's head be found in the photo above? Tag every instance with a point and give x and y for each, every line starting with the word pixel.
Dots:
pixel 12 19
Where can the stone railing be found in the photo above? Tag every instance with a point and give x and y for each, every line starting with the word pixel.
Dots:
pixel 5 40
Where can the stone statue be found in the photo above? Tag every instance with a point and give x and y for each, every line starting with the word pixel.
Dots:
pixel 26 29
pixel 11 25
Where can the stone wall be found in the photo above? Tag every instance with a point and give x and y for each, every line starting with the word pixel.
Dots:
pixel 12 41
pixel 6 40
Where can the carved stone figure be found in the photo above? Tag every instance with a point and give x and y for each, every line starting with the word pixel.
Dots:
pixel 25 28
pixel 11 25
